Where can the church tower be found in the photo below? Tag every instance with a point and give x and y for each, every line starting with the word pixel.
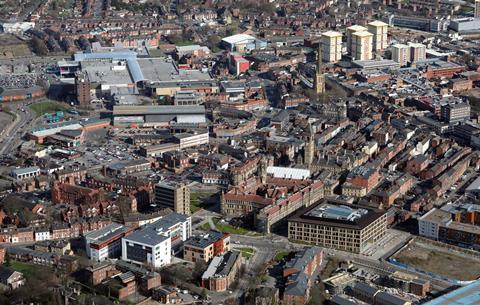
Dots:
pixel 319 76
pixel 309 148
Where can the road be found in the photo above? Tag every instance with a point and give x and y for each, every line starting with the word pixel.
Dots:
pixel 24 120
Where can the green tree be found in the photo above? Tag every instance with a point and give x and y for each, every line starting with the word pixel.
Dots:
pixel 204 294
pixel 7 263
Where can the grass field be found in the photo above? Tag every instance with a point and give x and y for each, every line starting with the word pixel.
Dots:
pixel 280 256
pixel 247 252
pixel 227 228
pixel 27 269
pixel 48 106
pixel 440 261
pixel 199 201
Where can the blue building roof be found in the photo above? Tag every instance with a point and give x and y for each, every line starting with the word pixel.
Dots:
pixel 467 295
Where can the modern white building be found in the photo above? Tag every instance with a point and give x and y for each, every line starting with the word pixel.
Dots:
pixel 42 234
pixel 106 242
pixel 429 224
pixel 147 247
pixel 174 225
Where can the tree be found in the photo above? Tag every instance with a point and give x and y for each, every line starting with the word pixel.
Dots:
pixel 7 263
pixel 39 46
pixel 204 294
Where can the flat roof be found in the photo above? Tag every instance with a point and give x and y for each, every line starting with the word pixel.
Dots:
pixel 337 216
pixel 357 27
pixel 467 295
pixel 363 34
pixel 378 23
pixel 238 38
pixel 107 233
pixel 203 241
pixel 143 110
pixel 332 34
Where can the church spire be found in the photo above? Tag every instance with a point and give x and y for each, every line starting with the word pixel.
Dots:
pixel 319 76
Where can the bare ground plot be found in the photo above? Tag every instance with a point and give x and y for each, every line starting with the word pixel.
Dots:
pixel 5 120
pixel 444 262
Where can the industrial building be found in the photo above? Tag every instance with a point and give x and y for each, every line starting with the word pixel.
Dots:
pixel 157 115
pixel 221 271
pixel 242 43
pixel 342 227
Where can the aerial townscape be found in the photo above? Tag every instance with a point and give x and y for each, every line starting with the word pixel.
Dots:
pixel 240 152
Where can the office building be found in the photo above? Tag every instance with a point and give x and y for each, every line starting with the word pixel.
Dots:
pixel 331 46
pixel 173 195
pixel 147 247
pixel 221 271
pixel 336 226
pixel 350 31
pixel 476 12
pixel 106 242
pixel 205 247
pixel 417 52
pixel 379 30
pixel 176 226
pixel 362 45
pixel 188 98
pixel 401 54
pixel 455 112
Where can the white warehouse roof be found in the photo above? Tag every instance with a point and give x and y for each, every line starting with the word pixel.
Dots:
pixel 288 172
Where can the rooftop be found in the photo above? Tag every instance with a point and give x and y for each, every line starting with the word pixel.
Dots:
pixel 330 214
pixel 466 295
pixel 238 38
pixel 203 241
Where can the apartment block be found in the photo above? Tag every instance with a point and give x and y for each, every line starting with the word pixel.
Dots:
pixel 331 46
pixel 401 54
pixel 379 30
pixel 350 31
pixel 362 45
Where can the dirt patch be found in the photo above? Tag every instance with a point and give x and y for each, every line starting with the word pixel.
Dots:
pixel 450 264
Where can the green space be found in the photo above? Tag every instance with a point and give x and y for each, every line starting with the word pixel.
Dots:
pixel 205 227
pixel 48 106
pixel 247 252
pixel 281 255
pixel 200 200
pixel 27 269
pixel 227 228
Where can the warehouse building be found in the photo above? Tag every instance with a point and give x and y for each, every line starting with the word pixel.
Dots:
pixel 157 115
pixel 341 227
